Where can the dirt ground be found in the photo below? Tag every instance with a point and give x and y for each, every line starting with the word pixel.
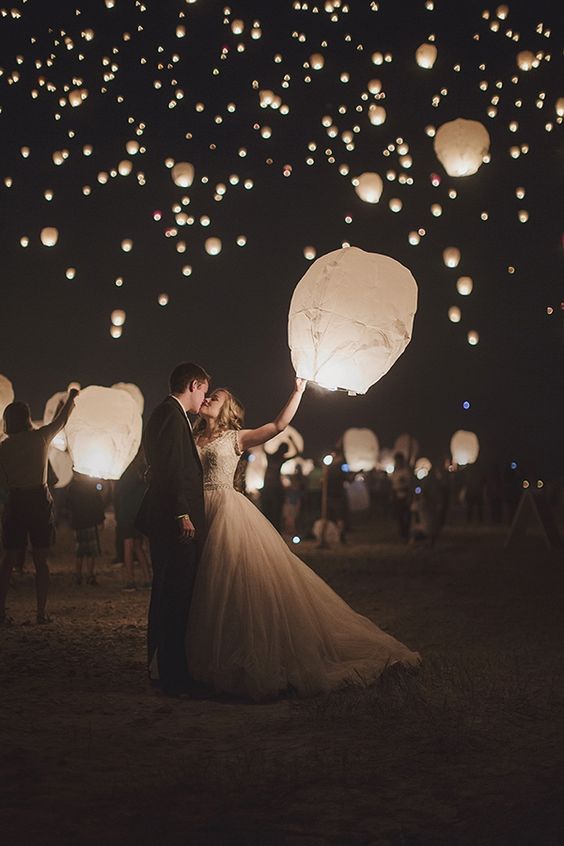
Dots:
pixel 467 750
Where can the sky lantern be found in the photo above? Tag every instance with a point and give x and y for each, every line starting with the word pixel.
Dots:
pixel 317 61
pixel 369 187
pixel 460 146
pixel 451 256
pixel 182 174
pixel 526 60
pixel 49 236
pixel 61 463
pixel 6 396
pixel 454 314
pixel 213 246
pixel 127 245
pixel 422 468
pixel 291 438
pixel 426 55
pixel 464 285
pixel 376 115
pixel 118 317
pixel 103 432
pixel 351 317
pixel 559 107
pixel 361 449
pixel 310 253
pixel 473 338
pixel 464 447
pixel 133 392
pixel 125 167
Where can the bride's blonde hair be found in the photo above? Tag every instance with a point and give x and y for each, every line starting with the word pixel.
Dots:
pixel 231 414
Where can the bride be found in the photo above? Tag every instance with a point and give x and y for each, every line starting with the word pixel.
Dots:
pixel 261 621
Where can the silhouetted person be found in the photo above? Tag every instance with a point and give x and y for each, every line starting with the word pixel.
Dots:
pixel 402 492
pixel 87 513
pixel 474 492
pixel 272 495
pixel 494 491
pixel 28 512
pixel 337 504
pixel 128 495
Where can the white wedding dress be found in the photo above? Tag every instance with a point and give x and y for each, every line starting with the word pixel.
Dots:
pixel 261 621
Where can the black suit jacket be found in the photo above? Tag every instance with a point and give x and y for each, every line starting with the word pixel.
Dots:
pixel 175 473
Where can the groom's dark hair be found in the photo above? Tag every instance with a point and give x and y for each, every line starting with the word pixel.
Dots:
pixel 185 373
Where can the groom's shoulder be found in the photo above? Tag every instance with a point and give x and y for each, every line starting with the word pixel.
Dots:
pixel 164 408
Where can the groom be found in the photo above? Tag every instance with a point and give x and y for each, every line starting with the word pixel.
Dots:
pixel 172 515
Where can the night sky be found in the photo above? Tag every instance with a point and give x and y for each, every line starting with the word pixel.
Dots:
pixel 230 313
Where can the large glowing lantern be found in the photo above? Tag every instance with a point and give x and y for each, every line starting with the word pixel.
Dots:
pixel 183 174
pixel 451 256
pixel 426 55
pixel 526 60
pixel 103 432
pixel 369 187
pixel 408 446
pixel 49 236
pixel 133 391
pixel 6 396
pixel 61 463
pixel 361 449
pixel 351 317
pixel 460 145
pixel 213 246
pixel 289 437
pixel 464 447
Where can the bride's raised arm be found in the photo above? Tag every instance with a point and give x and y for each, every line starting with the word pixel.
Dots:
pixel 253 437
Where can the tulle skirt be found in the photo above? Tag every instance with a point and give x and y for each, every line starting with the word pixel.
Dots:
pixel 262 622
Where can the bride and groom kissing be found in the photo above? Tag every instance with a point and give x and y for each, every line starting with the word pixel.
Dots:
pixel 232 609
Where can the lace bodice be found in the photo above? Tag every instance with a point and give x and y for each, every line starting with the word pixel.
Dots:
pixel 219 460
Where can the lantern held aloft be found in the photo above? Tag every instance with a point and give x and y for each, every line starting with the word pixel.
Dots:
pixel 361 449
pixel 351 317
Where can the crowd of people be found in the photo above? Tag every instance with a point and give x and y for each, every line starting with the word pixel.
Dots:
pixel 315 506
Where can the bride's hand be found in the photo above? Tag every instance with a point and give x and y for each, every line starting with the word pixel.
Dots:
pixel 300 385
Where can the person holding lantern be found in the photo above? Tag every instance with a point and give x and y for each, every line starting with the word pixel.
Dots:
pixel 261 621
pixel 29 510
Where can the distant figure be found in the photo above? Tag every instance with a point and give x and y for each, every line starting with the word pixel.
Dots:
pixel 425 510
pixel 272 494
pixel 402 492
pixel 291 505
pixel 87 513
pixel 474 483
pixel 28 512
pixel 129 492
pixel 337 503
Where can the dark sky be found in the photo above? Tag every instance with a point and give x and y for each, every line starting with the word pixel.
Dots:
pixel 231 313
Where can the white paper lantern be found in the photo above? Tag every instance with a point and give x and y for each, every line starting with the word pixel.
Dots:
pixel 183 174
pixel 559 107
pixel 361 449
pixel 460 146
pixel 291 438
pixel 464 447
pixel 351 317
pixel 127 245
pixel 6 396
pixel 451 256
pixel 464 285
pixel 317 60
pixel 526 60
pixel 49 236
pixel 408 446
pixel 376 115
pixel 454 314
pixel 213 246
pixel 369 187
pixel 422 468
pixel 426 55
pixel 103 432
pixel 133 391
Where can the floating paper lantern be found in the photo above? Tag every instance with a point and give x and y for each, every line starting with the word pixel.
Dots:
pixel 464 447
pixel 376 115
pixel 408 446
pixel 118 317
pixel 6 396
pixel 291 438
pixel 133 392
pixel 559 107
pixel 361 449
pixel 49 236
pixel 125 167
pixel 127 245
pixel 526 60
pixel 451 256
pixel 454 314
pixel 460 146
pixel 464 285
pixel 473 338
pixel 183 174
pixel 213 246
pixel 103 432
pixel 310 253
pixel 422 468
pixel 317 61
pixel 351 317
pixel 426 55
pixel 369 187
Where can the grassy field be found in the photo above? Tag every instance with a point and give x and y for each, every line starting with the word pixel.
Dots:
pixel 467 750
